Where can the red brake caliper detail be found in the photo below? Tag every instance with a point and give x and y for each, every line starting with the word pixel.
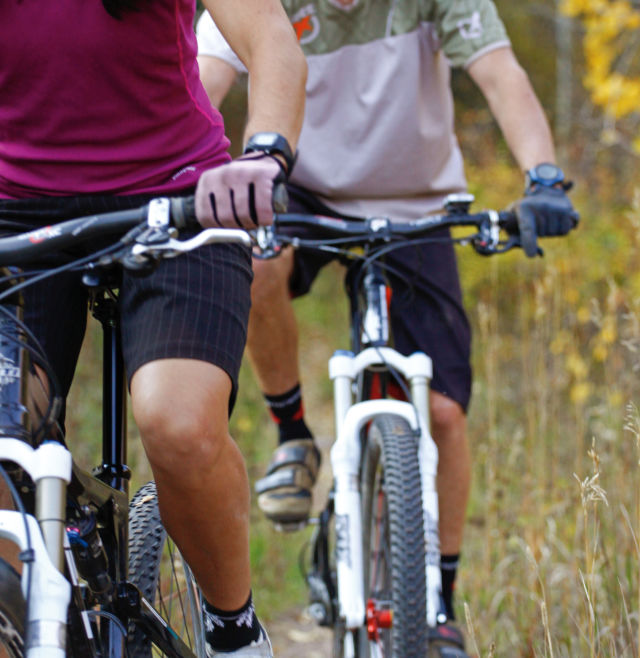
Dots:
pixel 377 619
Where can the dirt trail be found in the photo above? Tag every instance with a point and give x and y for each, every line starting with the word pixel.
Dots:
pixel 296 635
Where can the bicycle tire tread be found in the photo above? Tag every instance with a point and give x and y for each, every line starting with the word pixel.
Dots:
pixel 13 611
pixel 146 539
pixel 398 454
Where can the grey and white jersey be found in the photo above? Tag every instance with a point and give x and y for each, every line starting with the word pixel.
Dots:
pixel 378 136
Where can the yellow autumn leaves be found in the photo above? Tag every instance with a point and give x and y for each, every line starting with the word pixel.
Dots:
pixel 610 48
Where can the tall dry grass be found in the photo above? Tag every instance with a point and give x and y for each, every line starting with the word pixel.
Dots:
pixel 551 557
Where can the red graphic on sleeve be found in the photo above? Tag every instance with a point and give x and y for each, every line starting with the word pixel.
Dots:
pixel 302 26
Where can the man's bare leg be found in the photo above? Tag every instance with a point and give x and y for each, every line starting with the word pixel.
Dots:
pixel 285 492
pixel 272 339
pixel 448 426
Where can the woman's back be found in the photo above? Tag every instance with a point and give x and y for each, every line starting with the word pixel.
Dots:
pixel 93 104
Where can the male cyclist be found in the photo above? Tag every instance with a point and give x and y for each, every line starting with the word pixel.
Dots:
pixel 101 108
pixel 378 139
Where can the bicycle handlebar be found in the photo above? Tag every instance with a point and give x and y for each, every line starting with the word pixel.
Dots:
pixel 317 231
pixel 179 212
pixel 336 227
pixel 26 247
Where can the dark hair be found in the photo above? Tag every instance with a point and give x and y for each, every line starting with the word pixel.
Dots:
pixel 115 7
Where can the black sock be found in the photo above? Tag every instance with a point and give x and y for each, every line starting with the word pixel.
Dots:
pixel 230 630
pixel 448 568
pixel 287 412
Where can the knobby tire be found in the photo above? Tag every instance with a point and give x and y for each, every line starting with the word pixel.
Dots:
pixel 13 612
pixel 393 538
pixel 158 570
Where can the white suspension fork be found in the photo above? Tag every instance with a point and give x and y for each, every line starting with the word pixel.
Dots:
pixel 44 587
pixel 345 460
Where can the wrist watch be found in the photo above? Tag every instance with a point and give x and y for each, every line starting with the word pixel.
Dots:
pixel 272 143
pixel 546 174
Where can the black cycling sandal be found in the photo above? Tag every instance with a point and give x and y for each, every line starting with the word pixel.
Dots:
pixel 446 641
pixel 284 493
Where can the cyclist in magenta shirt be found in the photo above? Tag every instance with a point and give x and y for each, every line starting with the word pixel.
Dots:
pixel 101 108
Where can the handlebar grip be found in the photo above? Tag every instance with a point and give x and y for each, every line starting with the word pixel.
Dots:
pixel 183 209
pixel 183 212
pixel 509 222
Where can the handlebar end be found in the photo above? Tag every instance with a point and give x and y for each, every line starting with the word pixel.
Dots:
pixel 280 198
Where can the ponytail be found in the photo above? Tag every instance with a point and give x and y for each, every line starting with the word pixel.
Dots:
pixel 115 7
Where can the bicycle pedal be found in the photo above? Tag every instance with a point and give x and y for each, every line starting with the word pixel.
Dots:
pixel 319 608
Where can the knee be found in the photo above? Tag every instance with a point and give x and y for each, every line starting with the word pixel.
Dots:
pixel 447 416
pixel 181 440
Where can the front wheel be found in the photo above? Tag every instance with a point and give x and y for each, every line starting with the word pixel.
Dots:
pixel 163 577
pixel 12 612
pixel 393 542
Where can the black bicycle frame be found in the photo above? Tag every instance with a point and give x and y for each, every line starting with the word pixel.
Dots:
pixel 366 289
pixel 108 490
pixel 103 493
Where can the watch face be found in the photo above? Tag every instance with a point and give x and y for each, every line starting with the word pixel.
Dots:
pixel 264 139
pixel 547 172
pixel 270 142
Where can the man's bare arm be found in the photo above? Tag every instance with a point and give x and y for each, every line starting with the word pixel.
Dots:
pixel 217 76
pixel 261 35
pixel 515 106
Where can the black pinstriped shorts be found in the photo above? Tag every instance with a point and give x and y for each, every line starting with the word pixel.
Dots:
pixel 195 306
pixel 426 306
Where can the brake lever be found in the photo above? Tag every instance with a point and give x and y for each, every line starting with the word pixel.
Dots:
pixel 488 238
pixel 170 247
pixel 268 244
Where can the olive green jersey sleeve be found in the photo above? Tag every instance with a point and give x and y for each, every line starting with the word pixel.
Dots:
pixel 466 28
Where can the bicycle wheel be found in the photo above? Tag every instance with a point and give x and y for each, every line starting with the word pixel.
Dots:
pixel 393 541
pixel 163 577
pixel 13 612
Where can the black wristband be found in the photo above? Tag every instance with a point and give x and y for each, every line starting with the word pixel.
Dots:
pixel 272 144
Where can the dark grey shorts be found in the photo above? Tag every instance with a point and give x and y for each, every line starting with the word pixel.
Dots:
pixel 426 306
pixel 195 306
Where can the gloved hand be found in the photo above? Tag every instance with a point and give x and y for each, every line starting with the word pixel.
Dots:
pixel 239 194
pixel 543 211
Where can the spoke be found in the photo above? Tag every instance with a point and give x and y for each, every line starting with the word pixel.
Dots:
pixel 170 590
pixel 379 565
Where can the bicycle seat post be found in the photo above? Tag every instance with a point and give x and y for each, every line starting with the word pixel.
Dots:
pixel 113 469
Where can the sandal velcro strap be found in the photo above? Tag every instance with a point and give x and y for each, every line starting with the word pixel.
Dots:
pixel 297 452
pixel 294 463
pixel 284 477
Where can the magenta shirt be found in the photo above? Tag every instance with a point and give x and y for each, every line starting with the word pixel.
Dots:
pixel 91 104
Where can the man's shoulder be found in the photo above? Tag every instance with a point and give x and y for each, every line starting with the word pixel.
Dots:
pixel 323 26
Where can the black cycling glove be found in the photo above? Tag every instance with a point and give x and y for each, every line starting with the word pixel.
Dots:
pixel 543 211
